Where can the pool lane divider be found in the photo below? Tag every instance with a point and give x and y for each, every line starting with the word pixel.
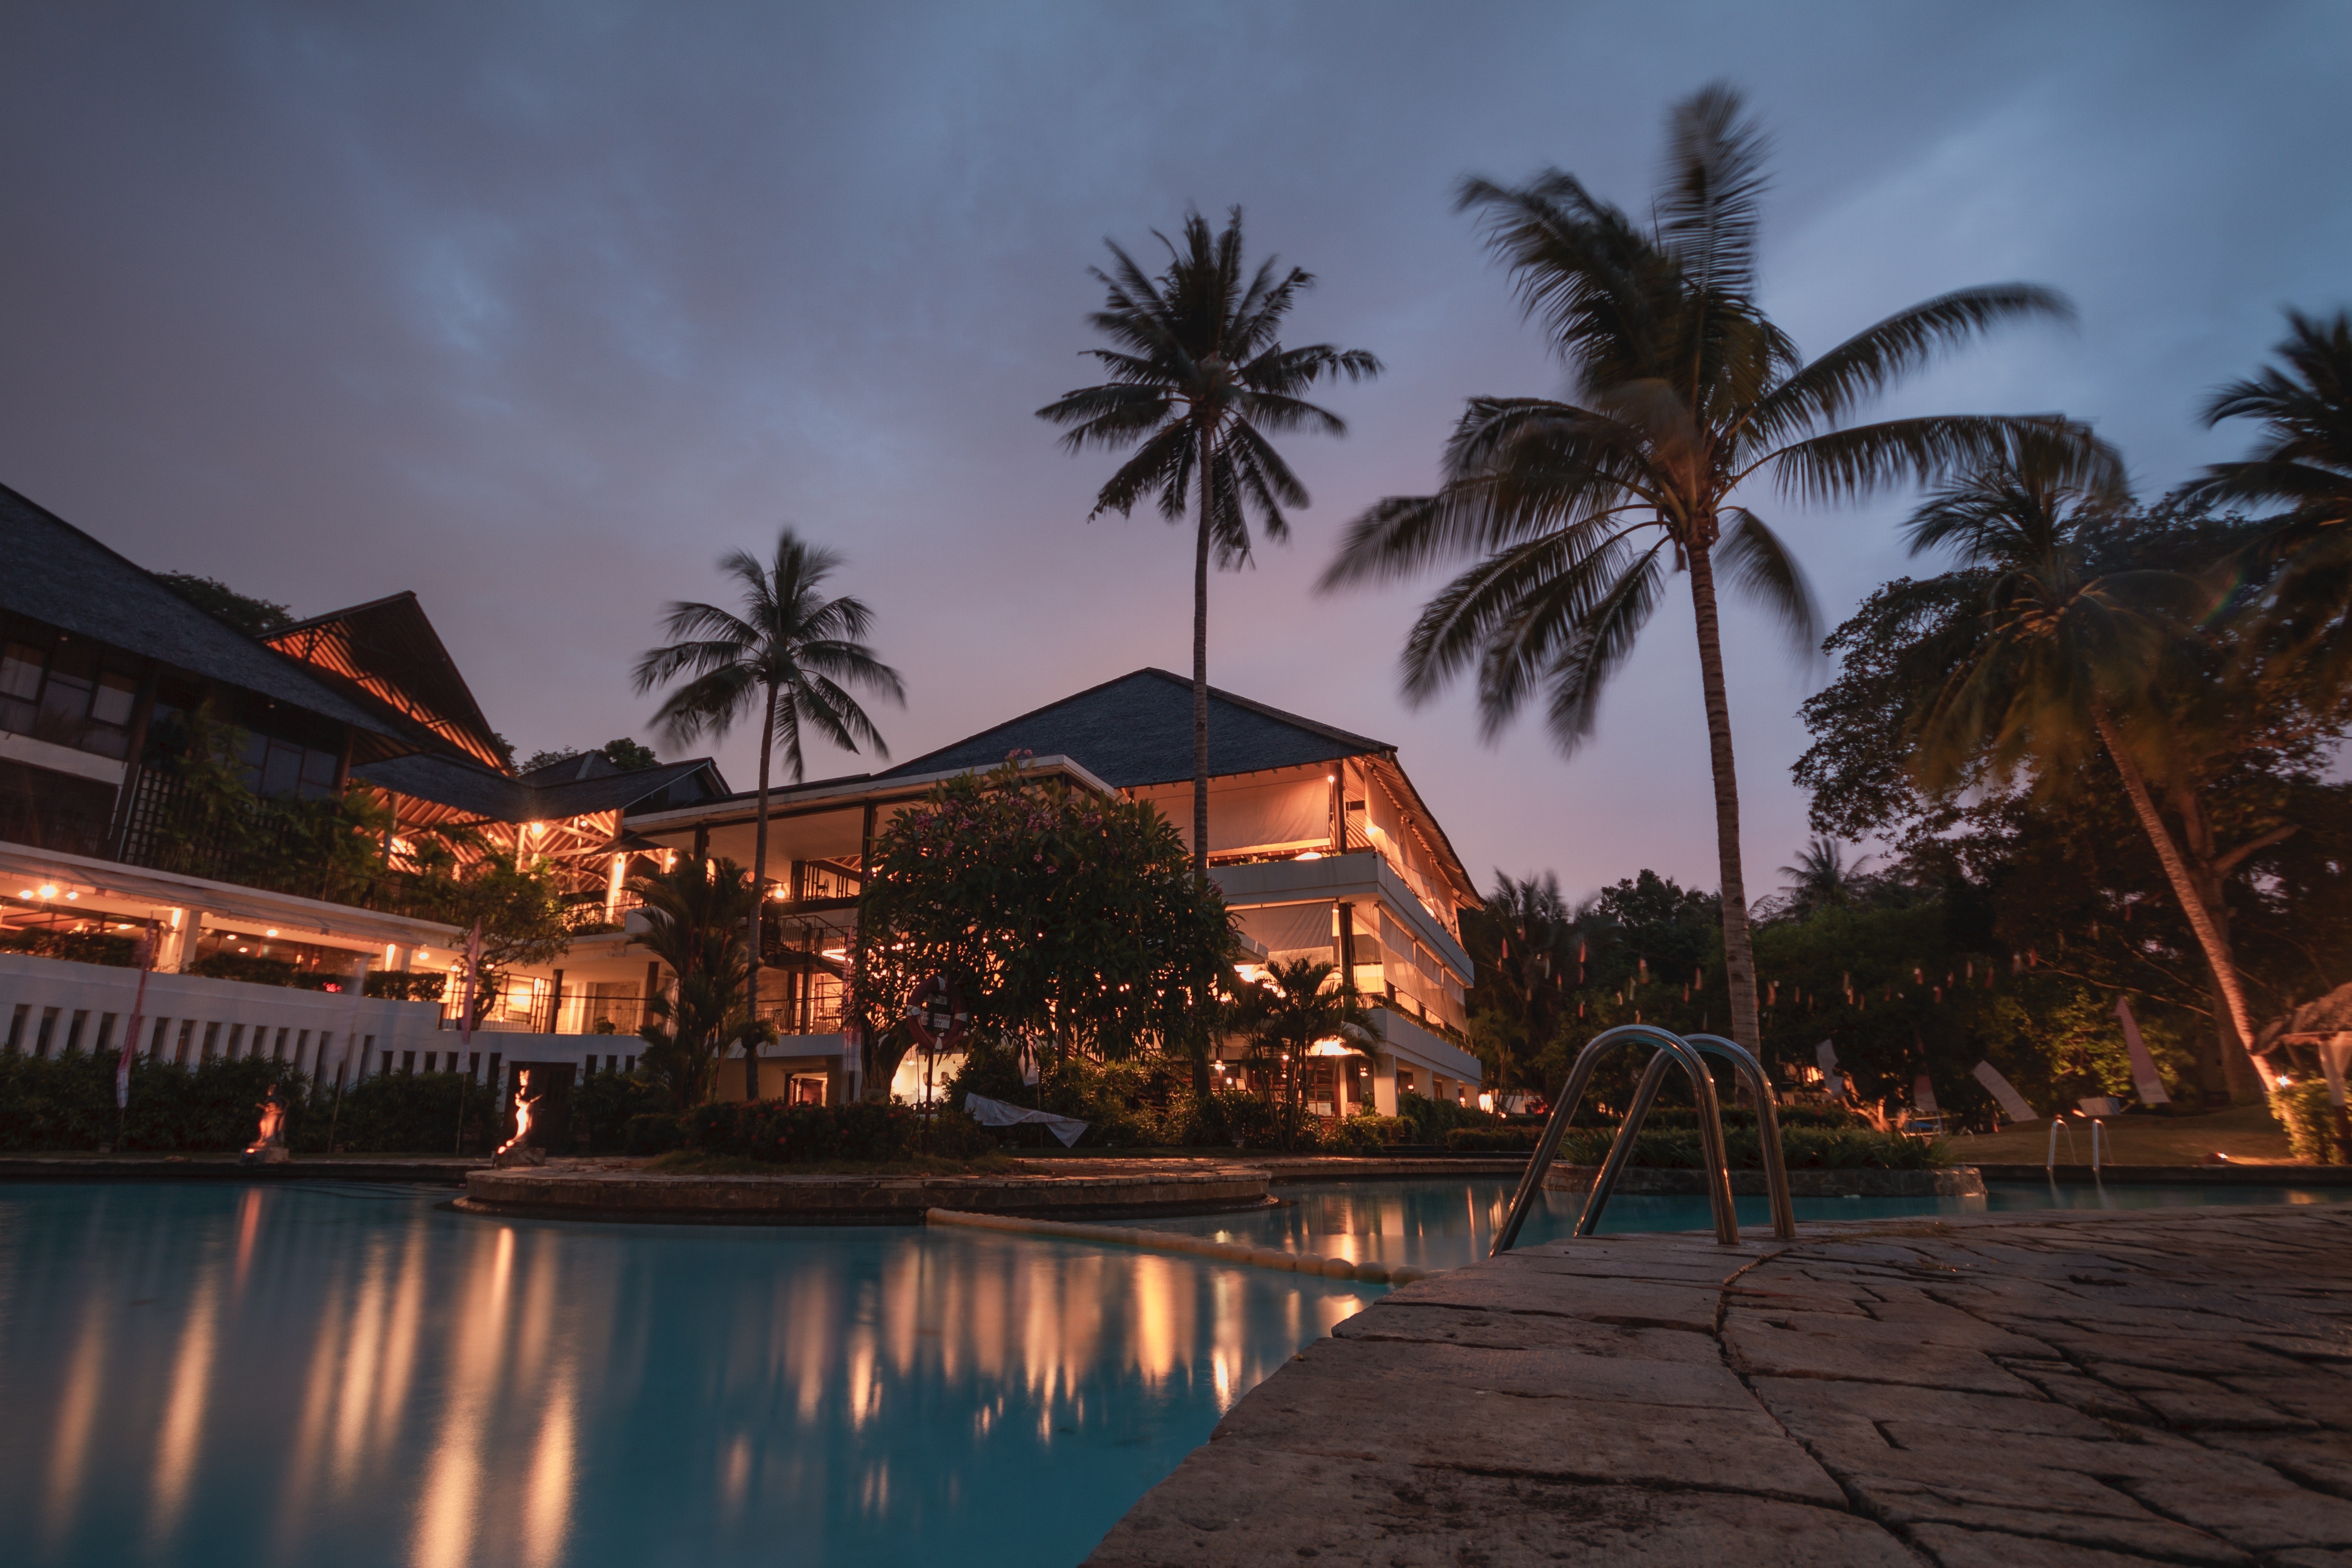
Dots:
pixel 1273 1258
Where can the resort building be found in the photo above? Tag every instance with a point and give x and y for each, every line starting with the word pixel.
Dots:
pixel 261 947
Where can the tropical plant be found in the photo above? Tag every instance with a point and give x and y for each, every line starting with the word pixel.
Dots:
pixel 2303 463
pixel 1823 878
pixel 1685 396
pixel 792 656
pixel 1060 916
pixel 1526 947
pixel 2062 661
pixel 695 916
pixel 520 913
pixel 1300 1005
pixel 1199 381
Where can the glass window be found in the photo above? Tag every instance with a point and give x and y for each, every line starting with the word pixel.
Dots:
pixel 283 769
pixel 117 693
pixel 318 774
pixel 20 670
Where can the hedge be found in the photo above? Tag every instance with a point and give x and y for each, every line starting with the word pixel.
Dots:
pixel 793 1134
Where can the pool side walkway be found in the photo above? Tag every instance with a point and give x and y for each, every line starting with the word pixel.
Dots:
pixel 2093 1390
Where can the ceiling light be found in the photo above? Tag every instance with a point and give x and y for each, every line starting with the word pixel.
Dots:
pixel 271 931
pixel 72 897
pixel 48 889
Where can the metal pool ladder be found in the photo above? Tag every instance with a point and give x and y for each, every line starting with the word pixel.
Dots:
pixel 1690 1053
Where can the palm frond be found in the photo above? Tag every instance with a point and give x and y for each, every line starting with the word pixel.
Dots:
pixel 1759 567
pixel 1707 208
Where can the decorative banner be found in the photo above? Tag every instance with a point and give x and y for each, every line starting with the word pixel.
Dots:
pixel 138 1017
pixel 1922 1096
pixel 2013 1104
pixel 2144 1079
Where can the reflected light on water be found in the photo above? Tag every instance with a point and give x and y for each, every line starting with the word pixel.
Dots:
pixel 325 1373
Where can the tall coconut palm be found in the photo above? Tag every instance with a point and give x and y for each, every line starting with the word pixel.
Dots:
pixel 1685 397
pixel 790 655
pixel 1199 380
pixel 2062 661
pixel 2303 463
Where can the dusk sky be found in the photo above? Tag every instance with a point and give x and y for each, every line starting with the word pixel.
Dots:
pixel 538 309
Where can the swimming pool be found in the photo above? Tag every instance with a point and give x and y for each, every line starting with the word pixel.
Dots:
pixel 311 1373
pixel 327 1373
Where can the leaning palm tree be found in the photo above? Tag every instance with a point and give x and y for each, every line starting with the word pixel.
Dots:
pixel 1577 509
pixel 2302 464
pixel 2061 662
pixel 790 656
pixel 1199 380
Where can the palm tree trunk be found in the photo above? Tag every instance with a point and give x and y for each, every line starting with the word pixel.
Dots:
pixel 2218 956
pixel 1201 677
pixel 759 898
pixel 1738 948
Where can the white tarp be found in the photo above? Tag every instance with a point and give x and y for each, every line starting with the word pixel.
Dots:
pixel 2013 1104
pixel 996 1113
pixel 2144 1079
pixel 1292 932
pixel 1288 814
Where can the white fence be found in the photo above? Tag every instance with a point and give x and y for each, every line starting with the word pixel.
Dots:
pixel 50 1006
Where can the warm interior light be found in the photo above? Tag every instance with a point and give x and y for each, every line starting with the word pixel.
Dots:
pixel 72 897
pixel 1310 854
pixel 48 889
pixel 24 892
pixel 271 931
pixel 1334 1046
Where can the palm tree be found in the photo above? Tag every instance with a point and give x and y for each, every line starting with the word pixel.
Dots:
pixel 1292 1009
pixel 2303 463
pixel 2062 661
pixel 1525 943
pixel 1577 509
pixel 694 913
pixel 791 656
pixel 1199 380
pixel 1823 878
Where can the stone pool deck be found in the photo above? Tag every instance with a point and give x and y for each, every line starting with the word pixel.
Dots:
pixel 2103 1389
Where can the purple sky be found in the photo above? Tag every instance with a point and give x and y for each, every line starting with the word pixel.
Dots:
pixel 536 311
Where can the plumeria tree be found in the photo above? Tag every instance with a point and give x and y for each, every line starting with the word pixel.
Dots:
pixel 1061 916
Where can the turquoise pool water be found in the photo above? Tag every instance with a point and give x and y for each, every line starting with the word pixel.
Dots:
pixel 355 1375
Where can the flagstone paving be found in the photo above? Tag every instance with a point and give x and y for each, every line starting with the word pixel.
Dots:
pixel 2158 1386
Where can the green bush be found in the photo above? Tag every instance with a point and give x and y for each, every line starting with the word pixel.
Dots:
pixel 655 1133
pixel 2313 1126
pixel 1365 1133
pixel 76 946
pixel 1810 1148
pixel 779 1133
pixel 67 1103
pixel 603 1104
pixel 1492 1140
pixel 407 1113
pixel 399 985
pixel 1433 1118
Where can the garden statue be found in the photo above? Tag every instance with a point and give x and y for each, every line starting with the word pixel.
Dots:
pixel 269 1145
pixel 517 1149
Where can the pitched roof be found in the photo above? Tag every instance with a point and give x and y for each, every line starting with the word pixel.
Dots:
pixel 385 653
pixel 1137 729
pixel 61 575
pixel 477 791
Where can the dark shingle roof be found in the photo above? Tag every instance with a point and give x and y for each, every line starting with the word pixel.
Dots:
pixel 1137 729
pixel 385 653
pixel 479 792
pixel 57 574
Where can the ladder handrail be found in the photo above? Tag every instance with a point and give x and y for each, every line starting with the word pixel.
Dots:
pixel 1768 1128
pixel 1710 1129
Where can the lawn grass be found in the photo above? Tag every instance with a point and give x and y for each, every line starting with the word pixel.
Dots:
pixel 2246 1133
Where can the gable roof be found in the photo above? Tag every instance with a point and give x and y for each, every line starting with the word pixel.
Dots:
pixel 61 575
pixel 477 790
pixel 1137 729
pixel 386 654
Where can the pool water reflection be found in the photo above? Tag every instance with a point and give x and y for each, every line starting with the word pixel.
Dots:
pixel 331 1373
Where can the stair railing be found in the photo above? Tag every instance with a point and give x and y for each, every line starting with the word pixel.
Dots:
pixel 1671 1047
